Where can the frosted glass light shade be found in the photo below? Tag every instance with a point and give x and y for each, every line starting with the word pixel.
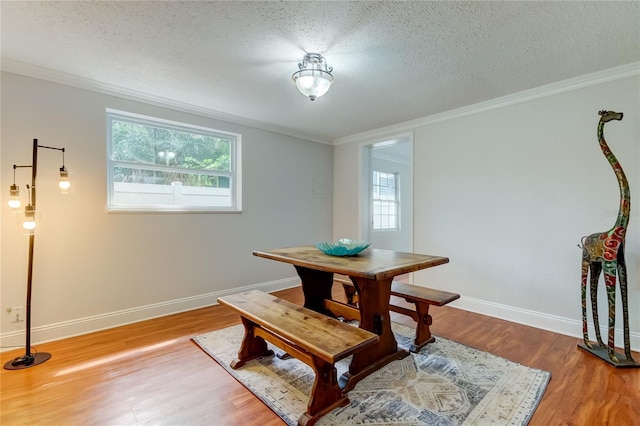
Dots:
pixel 314 77
pixel 313 83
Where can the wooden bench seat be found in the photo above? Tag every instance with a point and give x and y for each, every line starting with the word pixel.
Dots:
pixel 313 338
pixel 421 297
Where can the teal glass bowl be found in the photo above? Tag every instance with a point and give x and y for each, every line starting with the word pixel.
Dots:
pixel 343 247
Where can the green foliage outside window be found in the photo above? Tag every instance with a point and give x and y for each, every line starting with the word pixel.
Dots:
pixel 174 156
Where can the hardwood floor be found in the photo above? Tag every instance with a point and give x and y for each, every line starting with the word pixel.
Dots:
pixel 151 373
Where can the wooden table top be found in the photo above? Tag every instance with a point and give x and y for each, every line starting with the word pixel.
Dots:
pixel 374 264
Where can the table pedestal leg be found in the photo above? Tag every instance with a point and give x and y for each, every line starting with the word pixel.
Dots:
pixel 316 286
pixel 374 316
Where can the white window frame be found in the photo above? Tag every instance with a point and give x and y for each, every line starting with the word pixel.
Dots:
pixel 395 203
pixel 234 174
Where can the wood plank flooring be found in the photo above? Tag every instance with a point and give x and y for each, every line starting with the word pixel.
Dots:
pixel 151 373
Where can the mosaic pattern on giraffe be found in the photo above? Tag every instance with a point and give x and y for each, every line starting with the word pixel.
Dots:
pixel 603 252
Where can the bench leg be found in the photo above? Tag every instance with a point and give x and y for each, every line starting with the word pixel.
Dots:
pixel 352 295
pixel 325 393
pixel 252 346
pixel 423 332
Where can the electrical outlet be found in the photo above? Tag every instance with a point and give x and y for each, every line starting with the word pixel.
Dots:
pixel 19 314
pixel 16 313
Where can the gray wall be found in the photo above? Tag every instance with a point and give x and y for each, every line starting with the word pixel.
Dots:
pixel 95 269
pixel 507 192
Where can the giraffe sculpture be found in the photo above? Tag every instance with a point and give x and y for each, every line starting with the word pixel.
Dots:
pixel 604 252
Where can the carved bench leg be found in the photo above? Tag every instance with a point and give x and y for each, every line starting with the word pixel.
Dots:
pixel 352 295
pixel 325 393
pixel 423 332
pixel 252 346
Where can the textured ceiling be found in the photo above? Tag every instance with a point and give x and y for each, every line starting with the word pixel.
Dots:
pixel 393 61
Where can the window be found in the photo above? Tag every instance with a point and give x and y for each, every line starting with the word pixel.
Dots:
pixel 385 200
pixel 160 165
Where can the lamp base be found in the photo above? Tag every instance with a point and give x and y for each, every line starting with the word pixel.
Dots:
pixel 27 361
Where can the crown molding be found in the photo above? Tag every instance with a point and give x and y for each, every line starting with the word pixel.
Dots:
pixel 54 76
pixel 611 74
pixel 47 74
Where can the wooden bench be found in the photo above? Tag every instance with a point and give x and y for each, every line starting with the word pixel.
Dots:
pixel 421 297
pixel 315 339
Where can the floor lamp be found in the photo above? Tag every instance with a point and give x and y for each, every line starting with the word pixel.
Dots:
pixel 30 359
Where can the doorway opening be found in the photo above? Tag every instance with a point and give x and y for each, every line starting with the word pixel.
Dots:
pixel 386 194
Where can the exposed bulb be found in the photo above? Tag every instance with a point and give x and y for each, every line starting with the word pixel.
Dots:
pixel 29 225
pixel 29 222
pixel 14 194
pixel 64 183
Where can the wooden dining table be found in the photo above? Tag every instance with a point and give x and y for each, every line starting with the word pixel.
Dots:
pixel 372 272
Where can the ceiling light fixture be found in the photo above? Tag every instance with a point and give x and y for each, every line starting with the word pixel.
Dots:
pixel 314 77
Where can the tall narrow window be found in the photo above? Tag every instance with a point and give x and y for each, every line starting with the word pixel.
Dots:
pixel 385 206
pixel 159 165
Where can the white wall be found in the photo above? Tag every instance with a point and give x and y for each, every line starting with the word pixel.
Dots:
pixel 398 239
pixel 507 193
pixel 95 270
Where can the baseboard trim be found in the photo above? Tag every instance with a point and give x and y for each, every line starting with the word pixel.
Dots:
pixel 62 330
pixel 554 323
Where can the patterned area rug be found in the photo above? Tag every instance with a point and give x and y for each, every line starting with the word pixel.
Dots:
pixel 445 384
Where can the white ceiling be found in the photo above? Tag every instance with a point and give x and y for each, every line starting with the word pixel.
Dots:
pixel 393 61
